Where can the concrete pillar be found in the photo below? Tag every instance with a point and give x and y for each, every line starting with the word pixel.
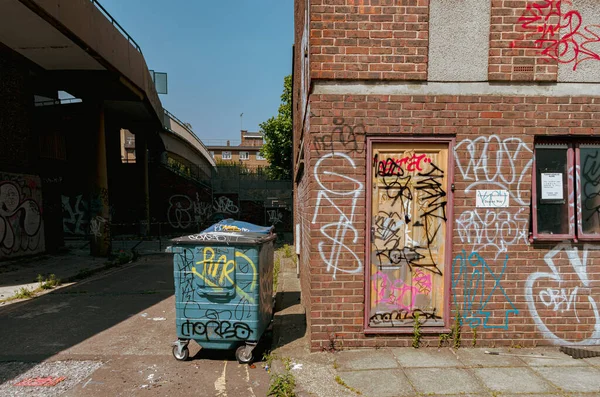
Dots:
pixel 100 244
pixel 141 156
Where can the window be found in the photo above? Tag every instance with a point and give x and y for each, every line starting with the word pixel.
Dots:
pixel 226 155
pixel 259 156
pixel 566 194
pixel 212 154
pixel 244 156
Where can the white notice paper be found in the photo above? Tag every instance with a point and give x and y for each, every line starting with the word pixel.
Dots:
pixel 552 186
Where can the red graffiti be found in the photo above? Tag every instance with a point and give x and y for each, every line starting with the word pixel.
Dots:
pixel 410 163
pixel 559 33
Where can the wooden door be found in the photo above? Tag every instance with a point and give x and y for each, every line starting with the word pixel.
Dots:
pixel 408 234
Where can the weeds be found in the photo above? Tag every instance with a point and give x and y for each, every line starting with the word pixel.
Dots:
pixel 283 385
pixel 444 338
pixel 333 345
pixel 49 283
pixel 455 333
pixel 416 341
pixel 341 382
pixel 287 251
pixel 23 293
pixel 268 358
pixel 474 341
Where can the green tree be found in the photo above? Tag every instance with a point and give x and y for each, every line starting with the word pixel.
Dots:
pixel 278 136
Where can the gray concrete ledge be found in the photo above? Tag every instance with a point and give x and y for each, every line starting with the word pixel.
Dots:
pixel 455 88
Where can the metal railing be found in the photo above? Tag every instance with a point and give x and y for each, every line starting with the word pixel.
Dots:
pixel 183 125
pixel 116 24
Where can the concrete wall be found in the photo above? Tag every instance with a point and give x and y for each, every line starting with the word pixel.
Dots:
pixel 21 223
pixel 582 64
pixel 458 40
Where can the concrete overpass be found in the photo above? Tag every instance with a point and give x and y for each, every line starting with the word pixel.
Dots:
pixel 47 46
pixel 184 146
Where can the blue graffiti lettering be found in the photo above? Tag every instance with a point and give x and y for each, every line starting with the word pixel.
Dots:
pixel 472 274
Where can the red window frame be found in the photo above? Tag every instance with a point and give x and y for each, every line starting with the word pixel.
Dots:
pixel 574 196
pixel 580 233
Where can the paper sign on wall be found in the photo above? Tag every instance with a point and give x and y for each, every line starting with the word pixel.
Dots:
pixel 491 198
pixel 552 186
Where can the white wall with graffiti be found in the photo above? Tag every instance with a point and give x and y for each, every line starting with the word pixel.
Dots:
pixel 21 223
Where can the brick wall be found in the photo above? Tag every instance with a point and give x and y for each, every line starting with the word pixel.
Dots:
pixel 494 143
pixel 369 39
pixel 522 38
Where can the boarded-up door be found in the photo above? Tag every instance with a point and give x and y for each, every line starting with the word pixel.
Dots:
pixel 408 234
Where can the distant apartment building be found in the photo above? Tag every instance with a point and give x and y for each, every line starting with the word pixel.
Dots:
pixel 246 151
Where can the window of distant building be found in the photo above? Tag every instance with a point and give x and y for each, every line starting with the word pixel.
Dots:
pixel 212 154
pixel 244 156
pixel 259 156
pixel 566 190
pixel 226 155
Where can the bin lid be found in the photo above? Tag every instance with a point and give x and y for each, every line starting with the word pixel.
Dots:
pixel 229 231
pixel 231 225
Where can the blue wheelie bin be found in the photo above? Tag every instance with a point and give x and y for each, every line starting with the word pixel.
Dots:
pixel 223 287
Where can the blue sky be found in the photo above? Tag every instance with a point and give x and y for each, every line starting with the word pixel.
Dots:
pixel 222 57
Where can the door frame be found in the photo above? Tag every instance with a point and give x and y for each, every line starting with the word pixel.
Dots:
pixel 444 139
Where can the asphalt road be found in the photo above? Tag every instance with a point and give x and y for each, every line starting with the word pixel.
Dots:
pixel 112 335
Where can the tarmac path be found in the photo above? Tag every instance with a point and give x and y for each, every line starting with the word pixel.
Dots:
pixel 112 335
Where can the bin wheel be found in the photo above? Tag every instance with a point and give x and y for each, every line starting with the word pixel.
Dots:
pixel 242 356
pixel 185 353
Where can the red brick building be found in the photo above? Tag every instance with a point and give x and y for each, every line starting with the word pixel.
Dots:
pixel 447 162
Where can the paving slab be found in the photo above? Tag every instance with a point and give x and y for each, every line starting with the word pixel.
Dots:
pixel 595 361
pixel 366 359
pixel 554 358
pixel 418 358
pixel 380 383
pixel 513 380
pixel 444 381
pixel 476 357
pixel 572 379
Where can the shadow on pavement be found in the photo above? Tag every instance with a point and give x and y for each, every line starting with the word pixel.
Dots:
pixel 59 321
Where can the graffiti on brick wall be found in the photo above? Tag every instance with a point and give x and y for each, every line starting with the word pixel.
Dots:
pixel 75 215
pixel 183 212
pixel 338 228
pixel 558 32
pixel 220 273
pixel 490 160
pixel 344 137
pixel 565 292
pixel 21 229
pixel 480 284
pixel 492 230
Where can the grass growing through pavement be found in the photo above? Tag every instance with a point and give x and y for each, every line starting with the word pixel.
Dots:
pixel 49 283
pixel 283 385
pixel 25 293
pixel 52 281
pixel 341 382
